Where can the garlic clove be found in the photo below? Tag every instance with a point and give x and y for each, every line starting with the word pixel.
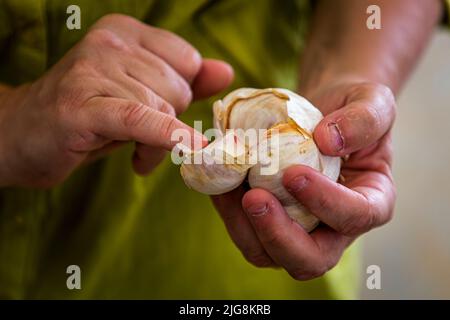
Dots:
pixel 218 168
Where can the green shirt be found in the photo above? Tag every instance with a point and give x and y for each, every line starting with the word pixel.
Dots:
pixel 147 237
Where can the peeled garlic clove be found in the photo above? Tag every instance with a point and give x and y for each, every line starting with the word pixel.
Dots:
pixel 218 168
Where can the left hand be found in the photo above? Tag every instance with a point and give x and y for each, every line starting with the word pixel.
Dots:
pixel 357 123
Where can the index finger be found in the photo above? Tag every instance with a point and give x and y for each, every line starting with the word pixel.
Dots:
pixel 125 120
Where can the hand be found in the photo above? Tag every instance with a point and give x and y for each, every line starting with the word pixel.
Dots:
pixel 124 81
pixel 358 119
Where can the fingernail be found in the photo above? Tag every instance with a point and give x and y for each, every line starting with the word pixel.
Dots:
pixel 258 209
pixel 336 137
pixel 297 184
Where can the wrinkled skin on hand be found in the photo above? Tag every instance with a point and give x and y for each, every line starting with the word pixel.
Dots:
pixel 124 81
pixel 358 119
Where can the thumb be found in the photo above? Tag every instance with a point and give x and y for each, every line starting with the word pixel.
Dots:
pixel 366 118
pixel 214 76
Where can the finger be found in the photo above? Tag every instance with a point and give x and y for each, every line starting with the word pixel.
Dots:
pixel 128 88
pixel 214 76
pixel 176 51
pixel 286 242
pixel 159 77
pixel 368 115
pixel 124 120
pixel 331 243
pixel 239 228
pixel 350 212
pixel 146 158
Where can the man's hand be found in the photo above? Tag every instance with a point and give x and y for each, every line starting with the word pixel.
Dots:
pixel 125 81
pixel 358 119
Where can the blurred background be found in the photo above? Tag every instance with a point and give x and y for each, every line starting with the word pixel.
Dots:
pixel 413 251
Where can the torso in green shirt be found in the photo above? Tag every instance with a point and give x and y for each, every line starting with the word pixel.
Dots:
pixel 146 237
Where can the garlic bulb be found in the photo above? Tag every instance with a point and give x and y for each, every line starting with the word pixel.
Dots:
pixel 287 121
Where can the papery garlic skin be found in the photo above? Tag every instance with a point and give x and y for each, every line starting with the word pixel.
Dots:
pixel 290 121
pixel 222 166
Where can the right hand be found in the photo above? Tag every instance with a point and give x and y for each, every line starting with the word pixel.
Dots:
pixel 125 81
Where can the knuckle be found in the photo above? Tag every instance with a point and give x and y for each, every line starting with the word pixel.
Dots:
pixel 156 102
pixel 188 54
pixel 133 115
pixel 272 238
pixel 116 18
pixel 180 90
pixel 184 96
pixel 322 204
pixel 166 108
pixel 162 68
pixel 146 95
pixel 81 66
pixel 105 38
pixel 167 127
pixel 151 99
pixel 357 224
pixel 193 60
pixel 80 141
